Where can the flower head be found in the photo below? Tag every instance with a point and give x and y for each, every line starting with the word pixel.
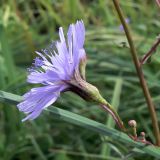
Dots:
pixel 127 20
pixel 132 123
pixel 55 69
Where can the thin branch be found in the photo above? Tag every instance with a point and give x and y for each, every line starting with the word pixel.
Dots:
pixel 114 115
pixel 140 74
pixel 151 51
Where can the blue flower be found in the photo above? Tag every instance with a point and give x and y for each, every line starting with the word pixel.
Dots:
pixel 54 69
pixel 127 20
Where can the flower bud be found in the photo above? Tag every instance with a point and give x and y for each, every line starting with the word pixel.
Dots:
pixel 143 134
pixel 132 123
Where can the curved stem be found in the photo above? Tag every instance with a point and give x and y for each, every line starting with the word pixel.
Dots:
pixel 151 51
pixel 115 115
pixel 108 107
pixel 140 74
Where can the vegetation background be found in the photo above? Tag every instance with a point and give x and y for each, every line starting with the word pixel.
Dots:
pixel 29 25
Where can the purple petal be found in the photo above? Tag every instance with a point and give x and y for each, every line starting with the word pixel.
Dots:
pixel 43 103
pixel 61 34
pixel 50 77
pixel 73 47
pixel 80 30
pixel 38 99
pixel 36 77
pixel 70 42
pixel 76 37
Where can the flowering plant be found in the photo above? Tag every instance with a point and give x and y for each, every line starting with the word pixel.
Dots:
pixel 61 68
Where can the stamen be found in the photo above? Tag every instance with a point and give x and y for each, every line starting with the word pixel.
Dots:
pixel 38 62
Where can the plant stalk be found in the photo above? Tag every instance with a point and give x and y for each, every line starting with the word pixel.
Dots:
pixel 106 106
pixel 140 74
pixel 151 51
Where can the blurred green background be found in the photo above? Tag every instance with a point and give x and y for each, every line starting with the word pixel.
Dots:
pixel 29 25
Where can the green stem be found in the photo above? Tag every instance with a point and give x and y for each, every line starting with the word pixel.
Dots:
pixel 140 74
pixel 108 107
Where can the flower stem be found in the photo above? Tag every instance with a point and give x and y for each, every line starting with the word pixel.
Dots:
pixel 140 74
pixel 106 106
pixel 151 51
